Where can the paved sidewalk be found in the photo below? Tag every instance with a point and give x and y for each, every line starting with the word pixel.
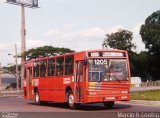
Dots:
pixel 140 89
pixel 142 102
pixel 6 94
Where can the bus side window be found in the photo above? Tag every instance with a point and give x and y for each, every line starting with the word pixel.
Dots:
pixel 69 64
pixel 43 65
pixel 51 67
pixel 36 69
pixel 60 66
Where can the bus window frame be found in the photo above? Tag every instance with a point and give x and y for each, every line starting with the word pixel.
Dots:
pixel 54 67
pixel 56 74
pixel 37 63
pixel 40 64
pixel 72 65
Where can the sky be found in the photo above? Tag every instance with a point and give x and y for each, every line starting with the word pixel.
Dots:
pixel 75 24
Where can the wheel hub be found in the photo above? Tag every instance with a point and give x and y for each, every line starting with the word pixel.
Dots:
pixel 71 100
pixel 37 98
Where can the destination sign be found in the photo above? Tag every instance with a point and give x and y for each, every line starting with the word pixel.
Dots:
pixel 112 54
pixel 106 54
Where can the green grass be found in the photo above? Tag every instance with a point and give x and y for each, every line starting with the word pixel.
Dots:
pixel 153 95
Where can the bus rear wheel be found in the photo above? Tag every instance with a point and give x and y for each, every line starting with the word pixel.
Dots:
pixel 109 104
pixel 71 100
pixel 37 99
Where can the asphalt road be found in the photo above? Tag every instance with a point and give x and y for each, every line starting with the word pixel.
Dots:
pixel 25 108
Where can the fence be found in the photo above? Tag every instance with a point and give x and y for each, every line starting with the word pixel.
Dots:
pixel 150 83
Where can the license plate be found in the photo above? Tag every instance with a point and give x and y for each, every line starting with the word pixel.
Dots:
pixel 110 98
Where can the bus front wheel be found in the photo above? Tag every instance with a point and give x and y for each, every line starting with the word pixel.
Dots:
pixel 109 104
pixel 71 100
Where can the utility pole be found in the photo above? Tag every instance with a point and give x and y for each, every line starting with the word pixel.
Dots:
pixel 23 4
pixel 16 63
pixel 17 75
pixel 23 44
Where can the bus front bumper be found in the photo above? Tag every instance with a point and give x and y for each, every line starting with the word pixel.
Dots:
pixel 105 98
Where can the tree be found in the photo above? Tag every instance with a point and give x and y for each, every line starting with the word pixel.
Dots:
pixel 122 39
pixel 140 65
pixel 46 51
pixel 150 33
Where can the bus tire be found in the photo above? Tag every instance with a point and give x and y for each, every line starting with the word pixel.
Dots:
pixel 37 99
pixel 109 104
pixel 70 100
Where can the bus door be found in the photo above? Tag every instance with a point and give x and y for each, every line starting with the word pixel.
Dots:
pixel 80 74
pixel 29 82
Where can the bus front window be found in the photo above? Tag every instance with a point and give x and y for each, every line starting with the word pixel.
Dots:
pixel 118 70
pixel 97 71
pixel 107 70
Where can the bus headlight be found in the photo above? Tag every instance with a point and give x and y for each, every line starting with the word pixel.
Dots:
pixel 92 93
pixel 124 97
pixel 124 92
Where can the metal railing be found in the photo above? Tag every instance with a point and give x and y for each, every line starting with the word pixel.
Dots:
pixel 150 83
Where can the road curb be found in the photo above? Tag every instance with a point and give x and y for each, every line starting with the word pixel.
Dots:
pixel 8 96
pixel 144 102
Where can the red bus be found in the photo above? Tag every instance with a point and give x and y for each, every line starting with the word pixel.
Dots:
pixel 96 76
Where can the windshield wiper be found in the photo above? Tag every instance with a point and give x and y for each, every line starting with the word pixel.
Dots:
pixel 116 78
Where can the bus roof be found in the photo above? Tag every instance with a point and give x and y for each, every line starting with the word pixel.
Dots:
pixel 86 51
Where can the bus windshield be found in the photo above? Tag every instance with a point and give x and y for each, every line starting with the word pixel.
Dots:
pixel 107 70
